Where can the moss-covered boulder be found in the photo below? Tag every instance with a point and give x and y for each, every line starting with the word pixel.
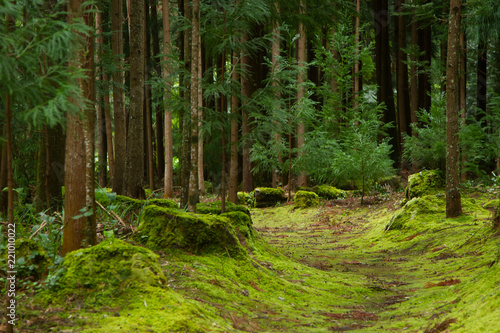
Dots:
pixel 31 259
pixel 424 183
pixel 304 199
pixel 329 192
pixel 243 226
pixel 106 198
pixel 214 208
pixel 429 204
pixel 111 267
pixel 245 198
pixel 163 228
pixel 268 197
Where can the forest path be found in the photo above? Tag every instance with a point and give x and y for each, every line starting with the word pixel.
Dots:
pixel 398 270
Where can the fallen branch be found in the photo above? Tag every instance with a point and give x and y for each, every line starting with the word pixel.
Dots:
pixel 44 223
pixel 113 215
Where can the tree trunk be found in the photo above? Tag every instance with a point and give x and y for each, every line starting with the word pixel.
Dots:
pixel 482 70
pixel 356 88
pixel 118 97
pixel 233 169
pixel 79 160
pixel 301 58
pixel 169 147
pixel 414 80
pixel 50 178
pixel 147 101
pixel 463 93
pixel 424 78
pixel 453 202
pixel 201 178
pixel 134 165
pixel 194 194
pixel 223 111
pixel 246 93
pixel 3 180
pixel 403 102
pixel 101 121
pixel 275 49
pixel 384 76
pixel 186 119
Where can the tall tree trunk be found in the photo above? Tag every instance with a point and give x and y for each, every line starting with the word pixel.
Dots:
pixel 482 70
pixel 3 179
pixel 356 88
pixel 50 178
pixel 194 194
pixel 101 121
pixel 463 93
pixel 384 76
pixel 424 77
pixel 301 58
pixel 414 80
pixel 246 93
pixel 233 169
pixel 134 166
pixel 118 97
pixel 186 119
pixel 403 93
pixel 147 101
pixel 159 113
pixel 79 161
pixel 275 50
pixel 201 177
pixel 109 134
pixel 453 202
pixel 223 110
pixel 169 147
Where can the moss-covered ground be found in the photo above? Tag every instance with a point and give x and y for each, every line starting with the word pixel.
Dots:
pixel 335 267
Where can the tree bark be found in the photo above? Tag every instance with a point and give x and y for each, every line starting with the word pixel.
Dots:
pixel 246 93
pixel 148 112
pixel 482 70
pixel 3 180
pixel 357 83
pixel 118 97
pixel 453 202
pixel 463 93
pixel 101 121
pixel 403 93
pixel 186 119
pixel 277 178
pixel 424 78
pixel 301 58
pixel 233 169
pixel 194 194
pixel 169 153
pixel 201 177
pixel 414 80
pixel 384 76
pixel 79 160
pixel 134 165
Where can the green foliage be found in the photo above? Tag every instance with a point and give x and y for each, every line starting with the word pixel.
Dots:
pixel 214 208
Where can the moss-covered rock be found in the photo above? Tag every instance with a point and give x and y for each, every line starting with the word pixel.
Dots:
pixel 268 197
pixel 110 267
pixel 163 228
pixel 245 198
pixel 214 208
pixel 105 198
pixel 424 183
pixel 304 199
pixel 429 204
pixel 31 259
pixel 329 192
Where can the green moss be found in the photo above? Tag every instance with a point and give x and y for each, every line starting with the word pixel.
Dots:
pixel 304 199
pixel 215 208
pixel 163 228
pixel 108 270
pixel 492 204
pixel 429 204
pixel 209 188
pixel 329 192
pixel 245 198
pixel 424 183
pixel 31 259
pixel 268 197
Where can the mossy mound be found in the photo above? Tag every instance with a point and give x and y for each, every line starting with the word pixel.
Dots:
pixel 245 198
pixel 325 191
pixel 268 197
pixel 214 208
pixel 429 204
pixel 31 259
pixel 106 199
pixel 163 228
pixel 304 199
pixel 424 183
pixel 111 267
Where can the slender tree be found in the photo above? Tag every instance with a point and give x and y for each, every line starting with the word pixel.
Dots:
pixel 233 169
pixel 194 194
pixel 119 113
pixel 134 165
pixel 453 202
pixel 79 205
pixel 301 58
pixel 169 149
